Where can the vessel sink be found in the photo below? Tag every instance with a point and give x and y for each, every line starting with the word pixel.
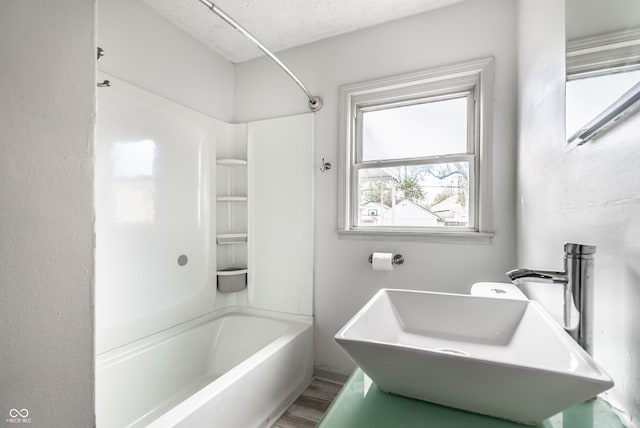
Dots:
pixel 499 357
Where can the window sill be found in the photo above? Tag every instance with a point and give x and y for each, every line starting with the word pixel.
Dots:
pixel 454 237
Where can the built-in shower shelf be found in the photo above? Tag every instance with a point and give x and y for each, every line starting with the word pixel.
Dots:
pixel 231 162
pixel 232 271
pixel 231 199
pixel 232 279
pixel 231 221
pixel 231 238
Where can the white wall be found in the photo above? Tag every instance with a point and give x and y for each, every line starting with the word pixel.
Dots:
pixel 586 194
pixel 594 17
pixel 47 54
pixel 147 50
pixel 343 278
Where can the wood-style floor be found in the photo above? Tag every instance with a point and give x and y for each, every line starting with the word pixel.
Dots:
pixel 309 407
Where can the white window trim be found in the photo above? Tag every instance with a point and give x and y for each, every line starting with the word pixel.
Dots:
pixel 593 54
pixel 431 82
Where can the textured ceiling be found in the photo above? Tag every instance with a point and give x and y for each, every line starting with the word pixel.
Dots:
pixel 283 24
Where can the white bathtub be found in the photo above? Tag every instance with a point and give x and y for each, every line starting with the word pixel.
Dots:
pixel 237 367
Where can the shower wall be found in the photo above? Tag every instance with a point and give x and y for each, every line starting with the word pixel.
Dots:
pixel 154 218
pixel 281 169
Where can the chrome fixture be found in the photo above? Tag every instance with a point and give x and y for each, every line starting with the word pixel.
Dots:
pixel 99 55
pixel 577 280
pixel 325 166
pixel 315 103
pixel 396 260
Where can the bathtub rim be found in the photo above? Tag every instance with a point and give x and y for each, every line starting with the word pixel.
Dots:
pixel 129 350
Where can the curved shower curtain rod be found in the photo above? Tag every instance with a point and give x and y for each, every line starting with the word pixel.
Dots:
pixel 315 103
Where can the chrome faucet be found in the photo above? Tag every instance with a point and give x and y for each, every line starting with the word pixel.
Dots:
pixel 577 280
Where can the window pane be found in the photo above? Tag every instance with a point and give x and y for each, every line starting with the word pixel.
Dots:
pixel 417 130
pixel 590 96
pixel 418 195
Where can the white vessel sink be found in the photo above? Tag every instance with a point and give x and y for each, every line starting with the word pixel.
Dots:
pixel 499 357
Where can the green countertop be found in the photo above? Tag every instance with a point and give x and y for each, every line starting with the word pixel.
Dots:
pixel 361 405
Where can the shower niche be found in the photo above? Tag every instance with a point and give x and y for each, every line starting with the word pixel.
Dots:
pixel 232 210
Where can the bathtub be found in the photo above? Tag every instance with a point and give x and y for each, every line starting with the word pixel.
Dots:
pixel 237 367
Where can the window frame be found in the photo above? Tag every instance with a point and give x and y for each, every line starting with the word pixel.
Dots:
pixel 469 156
pixel 602 55
pixel 473 78
pixel 609 51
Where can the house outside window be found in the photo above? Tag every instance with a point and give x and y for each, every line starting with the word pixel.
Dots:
pixel 415 155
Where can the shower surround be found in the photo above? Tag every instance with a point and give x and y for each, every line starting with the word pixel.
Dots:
pixel 158 305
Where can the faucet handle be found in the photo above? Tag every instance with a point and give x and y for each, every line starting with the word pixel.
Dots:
pixel 579 249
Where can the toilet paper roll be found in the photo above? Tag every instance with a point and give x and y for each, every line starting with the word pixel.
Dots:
pixel 382 261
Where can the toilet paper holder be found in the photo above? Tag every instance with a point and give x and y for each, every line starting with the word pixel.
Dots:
pixel 397 259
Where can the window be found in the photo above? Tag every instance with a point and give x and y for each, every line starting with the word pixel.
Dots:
pixel 415 155
pixel 603 83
